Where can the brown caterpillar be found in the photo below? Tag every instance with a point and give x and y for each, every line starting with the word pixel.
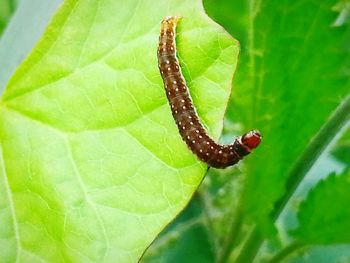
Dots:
pixel 184 113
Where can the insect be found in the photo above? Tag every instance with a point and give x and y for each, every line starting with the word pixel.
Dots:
pixel 191 129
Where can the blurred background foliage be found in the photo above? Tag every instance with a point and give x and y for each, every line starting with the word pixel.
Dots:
pixel 289 201
pixel 7 7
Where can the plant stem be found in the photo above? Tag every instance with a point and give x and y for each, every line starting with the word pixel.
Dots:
pixel 207 220
pixel 232 237
pixel 282 254
pixel 297 173
pixel 251 247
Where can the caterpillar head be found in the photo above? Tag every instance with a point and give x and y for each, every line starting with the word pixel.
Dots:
pixel 251 139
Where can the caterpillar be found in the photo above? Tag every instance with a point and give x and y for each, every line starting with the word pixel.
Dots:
pixel 191 129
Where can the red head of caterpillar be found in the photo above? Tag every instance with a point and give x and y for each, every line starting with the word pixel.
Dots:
pixel 251 139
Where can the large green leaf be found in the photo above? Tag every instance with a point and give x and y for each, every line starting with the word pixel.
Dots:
pixel 92 165
pixel 324 215
pixel 293 74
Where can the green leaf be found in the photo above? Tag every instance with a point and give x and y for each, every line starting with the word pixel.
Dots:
pixel 293 74
pixel 324 215
pixel 7 7
pixel 92 164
